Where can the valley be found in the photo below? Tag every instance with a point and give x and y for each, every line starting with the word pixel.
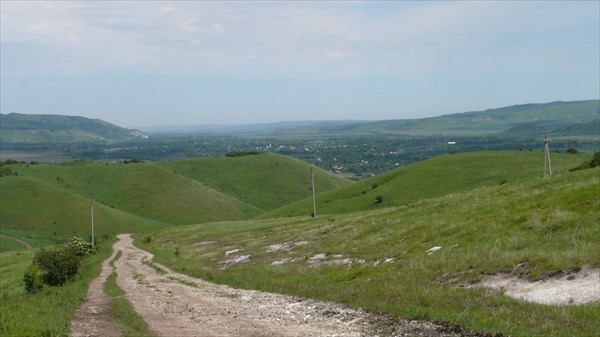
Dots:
pixel 416 243
pixel 430 234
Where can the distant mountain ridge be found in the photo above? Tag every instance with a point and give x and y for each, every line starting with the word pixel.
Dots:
pixel 554 118
pixel 25 128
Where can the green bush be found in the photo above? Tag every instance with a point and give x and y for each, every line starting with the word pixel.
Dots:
pixel 58 265
pixel 595 161
pixel 33 279
pixel 82 247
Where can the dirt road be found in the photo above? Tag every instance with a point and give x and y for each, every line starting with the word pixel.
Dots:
pixel 24 243
pixel 174 304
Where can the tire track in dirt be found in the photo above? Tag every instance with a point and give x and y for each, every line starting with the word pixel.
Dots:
pixel 94 317
pixel 174 304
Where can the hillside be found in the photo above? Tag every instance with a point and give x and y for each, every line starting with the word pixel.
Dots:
pixel 431 178
pixel 383 260
pixel 139 197
pixel 264 180
pixel 41 213
pixel 24 128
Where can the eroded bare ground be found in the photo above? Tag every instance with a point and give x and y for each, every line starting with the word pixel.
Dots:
pixel 581 287
pixel 174 304
pixel 94 317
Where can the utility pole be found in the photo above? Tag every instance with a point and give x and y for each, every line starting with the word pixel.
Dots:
pixel 312 180
pixel 547 164
pixel 92 213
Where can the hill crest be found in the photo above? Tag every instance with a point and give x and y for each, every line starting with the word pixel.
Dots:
pixel 26 128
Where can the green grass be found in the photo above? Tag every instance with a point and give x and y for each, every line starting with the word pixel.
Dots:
pixel 432 178
pixel 7 245
pixel 143 189
pixel 130 323
pixel 49 312
pixel 266 181
pixel 547 225
pixel 40 212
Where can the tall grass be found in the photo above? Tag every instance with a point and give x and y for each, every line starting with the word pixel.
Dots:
pixel 539 227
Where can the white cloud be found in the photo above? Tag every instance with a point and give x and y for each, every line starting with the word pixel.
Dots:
pixel 271 38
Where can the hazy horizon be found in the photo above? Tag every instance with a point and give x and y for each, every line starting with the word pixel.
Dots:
pixel 145 64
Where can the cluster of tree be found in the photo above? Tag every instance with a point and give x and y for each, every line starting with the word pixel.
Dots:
pixel 241 153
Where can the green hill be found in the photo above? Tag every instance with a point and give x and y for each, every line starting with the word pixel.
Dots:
pixel 264 180
pixel 42 213
pixel 143 189
pixel 138 197
pixel 379 259
pixel 24 128
pixel 431 178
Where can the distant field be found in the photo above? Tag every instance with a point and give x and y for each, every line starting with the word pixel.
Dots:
pixel 379 259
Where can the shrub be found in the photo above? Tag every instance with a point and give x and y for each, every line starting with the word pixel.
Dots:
pixel 595 161
pixel 572 150
pixel 58 265
pixel 82 247
pixel 379 199
pixel 147 239
pixel 33 279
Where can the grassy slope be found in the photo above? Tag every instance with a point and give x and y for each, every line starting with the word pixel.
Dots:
pixel 546 224
pixel 143 189
pixel 56 213
pixel 266 181
pixel 431 178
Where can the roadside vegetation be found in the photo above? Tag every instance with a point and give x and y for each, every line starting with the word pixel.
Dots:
pixel 49 310
pixel 383 260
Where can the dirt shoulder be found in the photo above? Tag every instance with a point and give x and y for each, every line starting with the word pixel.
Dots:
pixel 174 304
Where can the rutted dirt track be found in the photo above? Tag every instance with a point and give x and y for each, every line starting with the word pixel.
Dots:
pixel 174 304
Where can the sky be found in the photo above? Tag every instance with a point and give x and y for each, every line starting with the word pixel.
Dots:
pixel 149 63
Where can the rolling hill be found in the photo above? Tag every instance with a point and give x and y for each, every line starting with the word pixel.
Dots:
pixel 140 197
pixel 384 260
pixel 431 178
pixel 25 128
pixel 41 213
pixel 264 180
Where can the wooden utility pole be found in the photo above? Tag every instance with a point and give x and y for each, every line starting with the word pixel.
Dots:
pixel 92 213
pixel 312 180
pixel 547 164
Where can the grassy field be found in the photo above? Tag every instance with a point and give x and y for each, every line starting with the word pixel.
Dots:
pixel 7 245
pixel 49 312
pixel 432 178
pixel 266 181
pixel 378 259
